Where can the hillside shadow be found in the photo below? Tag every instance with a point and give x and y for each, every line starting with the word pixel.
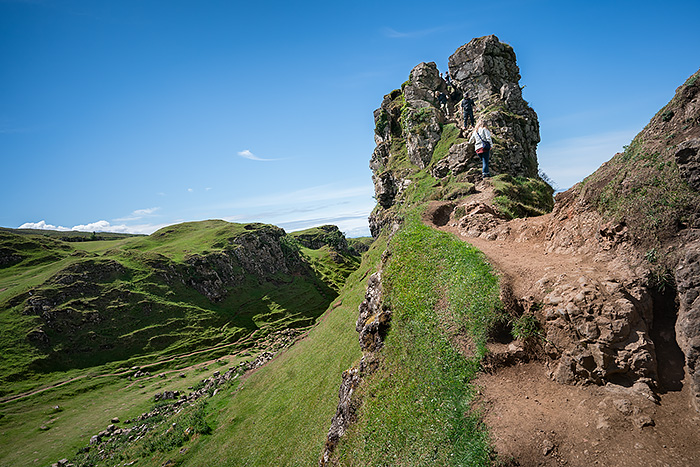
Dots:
pixel 670 357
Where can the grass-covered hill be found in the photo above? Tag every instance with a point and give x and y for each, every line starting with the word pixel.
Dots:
pixel 91 330
pixel 188 287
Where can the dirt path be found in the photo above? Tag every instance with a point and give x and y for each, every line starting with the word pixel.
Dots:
pixel 535 421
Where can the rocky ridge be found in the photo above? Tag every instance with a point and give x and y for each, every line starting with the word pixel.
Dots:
pixel 136 299
pixel 414 131
pixel 372 325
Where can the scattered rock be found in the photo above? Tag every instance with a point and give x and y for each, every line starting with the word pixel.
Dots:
pixel 547 447
pixel 643 420
pixel 624 406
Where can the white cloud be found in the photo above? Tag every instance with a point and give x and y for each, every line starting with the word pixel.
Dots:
pixel 138 214
pixel 249 155
pixel 145 212
pixel 190 190
pixel 98 226
pixel 42 225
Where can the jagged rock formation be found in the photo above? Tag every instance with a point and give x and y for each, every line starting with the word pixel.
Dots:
pixel 411 122
pixel 323 235
pixel 486 69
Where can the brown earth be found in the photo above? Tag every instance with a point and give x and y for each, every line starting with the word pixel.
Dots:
pixel 535 421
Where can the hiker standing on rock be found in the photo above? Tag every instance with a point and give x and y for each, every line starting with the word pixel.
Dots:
pixel 467 110
pixel 481 137
pixel 441 97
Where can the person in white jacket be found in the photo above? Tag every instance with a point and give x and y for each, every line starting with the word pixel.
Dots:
pixel 481 137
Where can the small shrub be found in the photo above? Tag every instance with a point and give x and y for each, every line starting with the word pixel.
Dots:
pixel 526 327
pixel 522 197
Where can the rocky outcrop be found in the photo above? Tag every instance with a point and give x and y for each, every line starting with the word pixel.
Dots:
pixel 348 405
pixel 324 235
pixel 411 123
pixel 9 257
pixel 374 319
pixel 598 331
pixel 420 117
pixel 486 70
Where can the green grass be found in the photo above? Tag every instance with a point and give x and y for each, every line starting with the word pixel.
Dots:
pixel 281 413
pixel 416 407
pixel 290 401
pixel 521 196
pixel 35 433
pixel 448 138
pixel 147 307
pixel 178 241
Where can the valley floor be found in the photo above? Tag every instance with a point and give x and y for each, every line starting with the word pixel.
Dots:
pixel 536 421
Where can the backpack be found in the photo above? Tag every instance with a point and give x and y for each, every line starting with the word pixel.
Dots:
pixel 486 146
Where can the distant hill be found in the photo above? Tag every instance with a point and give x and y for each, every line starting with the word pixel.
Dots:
pixel 71 235
pixel 68 304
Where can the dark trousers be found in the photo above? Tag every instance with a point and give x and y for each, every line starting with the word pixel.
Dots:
pixel 468 116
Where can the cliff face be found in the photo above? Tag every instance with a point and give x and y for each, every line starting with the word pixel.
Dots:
pixel 649 196
pixel 415 131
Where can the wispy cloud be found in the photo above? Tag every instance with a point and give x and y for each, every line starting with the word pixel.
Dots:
pixel 394 34
pixel 317 194
pixel 249 155
pixel 568 161
pixel 138 214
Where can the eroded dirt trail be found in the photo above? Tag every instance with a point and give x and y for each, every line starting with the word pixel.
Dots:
pixel 535 421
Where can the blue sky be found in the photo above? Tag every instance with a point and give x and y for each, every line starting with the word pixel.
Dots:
pixel 130 115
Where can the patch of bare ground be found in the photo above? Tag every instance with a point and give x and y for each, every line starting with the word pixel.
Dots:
pixel 535 421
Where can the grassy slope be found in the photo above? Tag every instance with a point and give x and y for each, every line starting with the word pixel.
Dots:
pixel 280 414
pixel 142 316
pixel 416 406
pixel 69 427
pixel 33 432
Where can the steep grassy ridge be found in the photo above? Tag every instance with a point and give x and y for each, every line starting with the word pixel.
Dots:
pixel 416 407
pixel 281 413
pixel 278 415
